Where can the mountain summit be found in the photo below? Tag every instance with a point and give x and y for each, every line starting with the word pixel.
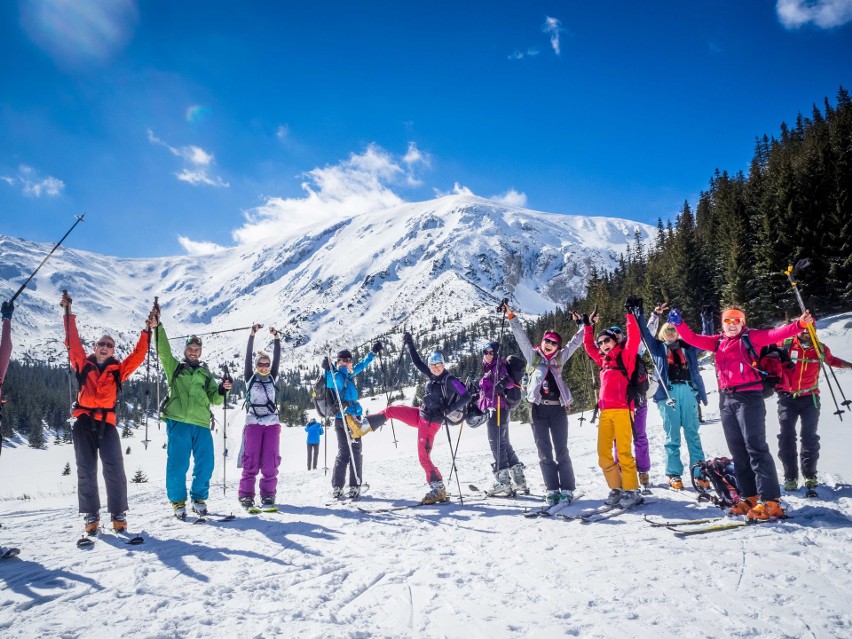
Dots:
pixel 327 285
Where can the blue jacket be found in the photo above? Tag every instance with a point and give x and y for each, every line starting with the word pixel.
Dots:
pixel 659 352
pixel 345 383
pixel 315 431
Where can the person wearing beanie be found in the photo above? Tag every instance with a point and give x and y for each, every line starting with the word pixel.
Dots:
pixel 348 426
pixel 550 400
pixel 95 433
pixel 261 450
pixel 742 406
pixel 186 411
pixel 615 422
pixel 677 363
pixel 444 395
pixel 493 402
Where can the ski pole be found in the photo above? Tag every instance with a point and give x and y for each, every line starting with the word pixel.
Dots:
pixel 156 311
pixel 24 285
pixel 343 423
pixel 387 396
pixel 811 328
pixel 227 330
pixel 325 444
pixel 225 378
pixel 68 348
pixel 669 400
pixel 147 441
pixel 453 465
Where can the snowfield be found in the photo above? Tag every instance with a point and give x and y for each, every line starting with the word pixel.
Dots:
pixel 467 571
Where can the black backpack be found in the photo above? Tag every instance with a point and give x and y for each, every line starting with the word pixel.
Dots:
pixel 723 491
pixel 639 383
pixel 325 399
pixel 516 366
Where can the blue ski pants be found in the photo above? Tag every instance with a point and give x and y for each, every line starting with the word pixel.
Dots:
pixel 185 440
pixel 682 416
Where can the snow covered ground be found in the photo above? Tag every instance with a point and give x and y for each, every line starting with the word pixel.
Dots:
pixel 466 571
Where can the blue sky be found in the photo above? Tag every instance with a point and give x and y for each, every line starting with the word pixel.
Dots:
pixel 183 126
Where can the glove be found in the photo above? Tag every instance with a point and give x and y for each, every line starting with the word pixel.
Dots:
pixel 326 366
pixel 675 318
pixel 500 386
pixel 580 320
pixel 640 305
pixel 407 339
pixel 377 348
pixel 633 304
pixel 7 309
pixel 585 320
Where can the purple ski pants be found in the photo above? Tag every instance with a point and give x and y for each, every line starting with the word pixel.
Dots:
pixel 261 453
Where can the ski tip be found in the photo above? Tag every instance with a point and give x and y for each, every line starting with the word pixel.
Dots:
pixel 85 542
pixel 135 541
pixel 10 553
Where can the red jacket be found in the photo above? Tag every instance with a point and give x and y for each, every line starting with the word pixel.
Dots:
pixel 803 379
pixel 613 381
pixel 98 389
pixel 734 368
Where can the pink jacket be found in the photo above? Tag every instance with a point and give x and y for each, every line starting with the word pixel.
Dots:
pixel 734 368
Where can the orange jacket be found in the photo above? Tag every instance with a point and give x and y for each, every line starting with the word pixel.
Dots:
pixel 98 389
pixel 803 378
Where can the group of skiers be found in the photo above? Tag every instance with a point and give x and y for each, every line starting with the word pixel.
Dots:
pixel 622 446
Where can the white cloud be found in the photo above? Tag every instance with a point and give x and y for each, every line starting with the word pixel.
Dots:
pixel 282 132
pixel 361 183
pixel 553 26
pixel 511 198
pixel 825 14
pixel 520 55
pixel 198 163
pixel 34 185
pixel 199 248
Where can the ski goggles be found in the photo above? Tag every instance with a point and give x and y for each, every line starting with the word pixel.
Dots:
pixel 264 365
pixel 193 340
pixel 106 344
pixel 733 320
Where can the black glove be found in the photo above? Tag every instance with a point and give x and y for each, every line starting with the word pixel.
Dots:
pixel 407 339
pixel 633 304
pixel 500 386
pixel 326 366
pixel 640 306
pixel 502 307
pixel 579 321
pixel 377 348
pixel 585 320
pixel 7 309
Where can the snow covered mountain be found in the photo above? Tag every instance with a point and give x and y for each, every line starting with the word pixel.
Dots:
pixel 328 286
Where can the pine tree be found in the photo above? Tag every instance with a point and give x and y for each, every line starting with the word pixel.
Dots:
pixel 139 477
pixel 67 470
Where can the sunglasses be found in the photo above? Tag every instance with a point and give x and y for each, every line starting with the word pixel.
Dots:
pixel 488 352
pixel 550 341
pixel 345 360
pixel 263 364
pixel 605 340
pixel 670 330
pixel 106 345
pixel 732 320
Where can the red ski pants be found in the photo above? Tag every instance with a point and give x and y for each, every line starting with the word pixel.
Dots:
pixel 425 436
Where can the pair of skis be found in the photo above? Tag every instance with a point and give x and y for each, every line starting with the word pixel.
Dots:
pixel 707 525
pixel 88 540
pixel 346 499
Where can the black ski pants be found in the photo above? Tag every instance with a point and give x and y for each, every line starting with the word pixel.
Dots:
pixel 342 461
pixel 313 456
pixel 791 409
pixel 92 438
pixel 550 432
pixel 498 439
pixel 744 424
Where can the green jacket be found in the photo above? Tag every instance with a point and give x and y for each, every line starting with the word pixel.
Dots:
pixel 191 392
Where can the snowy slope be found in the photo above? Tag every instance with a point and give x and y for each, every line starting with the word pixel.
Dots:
pixel 338 284
pixel 477 570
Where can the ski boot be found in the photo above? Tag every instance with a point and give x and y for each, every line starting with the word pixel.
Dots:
pixel 630 498
pixel 520 481
pixel 359 428
pixel 766 510
pixel 502 484
pixel 566 496
pixel 811 482
pixel 92 522
pixel 552 497
pixel 644 481
pixel 438 493
pixel 675 482
pixel 743 506
pixel 199 507
pixel 247 502
pixel 354 492
pixel 119 522
pixel 792 483
pixel 614 497
pixel 179 509
pixel 337 492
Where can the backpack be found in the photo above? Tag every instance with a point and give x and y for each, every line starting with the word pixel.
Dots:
pixel 768 366
pixel 457 416
pixel 88 367
pixel 269 405
pixel 178 370
pixel 325 400
pixel 516 367
pixel 723 491
pixel 638 383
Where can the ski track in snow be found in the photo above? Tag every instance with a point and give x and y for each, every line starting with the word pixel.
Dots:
pixel 477 570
